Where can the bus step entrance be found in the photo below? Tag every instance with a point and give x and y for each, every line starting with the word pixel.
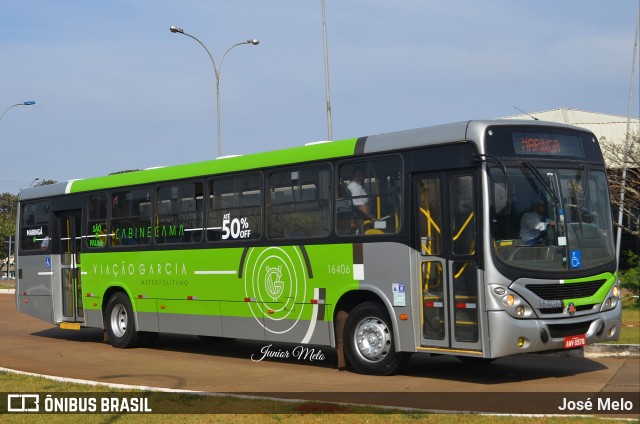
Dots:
pixel 70 326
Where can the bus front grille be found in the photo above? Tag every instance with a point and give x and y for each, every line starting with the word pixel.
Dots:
pixel 565 291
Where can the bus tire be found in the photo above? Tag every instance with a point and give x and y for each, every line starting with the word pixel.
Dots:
pixel 120 322
pixel 368 341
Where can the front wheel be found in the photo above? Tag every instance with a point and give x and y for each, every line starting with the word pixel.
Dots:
pixel 120 322
pixel 368 341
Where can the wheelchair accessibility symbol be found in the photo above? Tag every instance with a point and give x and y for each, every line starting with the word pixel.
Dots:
pixel 576 259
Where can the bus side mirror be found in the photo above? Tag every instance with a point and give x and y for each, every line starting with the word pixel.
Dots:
pixel 500 199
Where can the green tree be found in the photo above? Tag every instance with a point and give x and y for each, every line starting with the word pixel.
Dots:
pixel 616 157
pixel 45 182
pixel 8 208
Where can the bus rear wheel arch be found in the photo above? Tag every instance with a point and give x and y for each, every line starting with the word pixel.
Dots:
pixel 369 345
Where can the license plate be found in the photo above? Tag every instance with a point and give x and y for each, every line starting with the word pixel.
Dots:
pixel 575 341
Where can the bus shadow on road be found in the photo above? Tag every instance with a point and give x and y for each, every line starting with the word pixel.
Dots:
pixel 93 335
pixel 511 369
pixel 517 368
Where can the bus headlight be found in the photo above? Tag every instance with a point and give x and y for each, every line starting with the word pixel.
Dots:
pixel 511 302
pixel 616 290
pixel 612 298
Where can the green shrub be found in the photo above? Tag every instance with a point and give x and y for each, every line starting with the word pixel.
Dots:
pixel 630 278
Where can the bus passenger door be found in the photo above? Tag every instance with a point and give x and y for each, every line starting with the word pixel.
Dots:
pixel 69 225
pixel 446 223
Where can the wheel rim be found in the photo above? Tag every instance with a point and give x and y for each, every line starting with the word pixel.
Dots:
pixel 372 339
pixel 119 320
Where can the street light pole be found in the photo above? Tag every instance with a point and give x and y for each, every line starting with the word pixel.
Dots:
pixel 326 73
pixel 216 69
pixel 27 103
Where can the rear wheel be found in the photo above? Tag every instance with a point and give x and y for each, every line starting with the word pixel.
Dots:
pixel 120 322
pixel 368 341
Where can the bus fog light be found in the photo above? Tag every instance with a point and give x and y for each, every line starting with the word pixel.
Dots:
pixel 520 310
pixel 521 342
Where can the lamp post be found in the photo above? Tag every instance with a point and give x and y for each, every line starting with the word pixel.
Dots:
pixel 216 69
pixel 27 103
pixel 326 73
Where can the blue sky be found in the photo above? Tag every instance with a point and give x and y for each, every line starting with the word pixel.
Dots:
pixel 116 90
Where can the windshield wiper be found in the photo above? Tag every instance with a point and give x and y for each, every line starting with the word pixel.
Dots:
pixel 541 179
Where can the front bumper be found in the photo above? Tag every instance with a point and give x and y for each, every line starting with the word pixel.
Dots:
pixel 509 336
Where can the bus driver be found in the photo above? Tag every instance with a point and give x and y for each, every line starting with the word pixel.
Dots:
pixel 533 225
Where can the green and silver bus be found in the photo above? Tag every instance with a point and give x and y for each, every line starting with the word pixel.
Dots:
pixel 426 255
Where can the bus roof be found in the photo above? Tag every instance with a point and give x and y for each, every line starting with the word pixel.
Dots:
pixel 440 134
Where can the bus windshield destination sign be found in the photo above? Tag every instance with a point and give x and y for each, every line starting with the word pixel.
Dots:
pixel 546 144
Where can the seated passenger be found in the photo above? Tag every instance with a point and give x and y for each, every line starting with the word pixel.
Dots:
pixel 358 192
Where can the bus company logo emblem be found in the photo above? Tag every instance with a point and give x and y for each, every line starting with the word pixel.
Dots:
pixel 571 308
pixel 273 281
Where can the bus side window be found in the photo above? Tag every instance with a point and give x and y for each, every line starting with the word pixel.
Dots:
pixel 235 208
pixel 179 219
pixel 373 190
pixel 131 217
pixel 35 230
pixel 298 205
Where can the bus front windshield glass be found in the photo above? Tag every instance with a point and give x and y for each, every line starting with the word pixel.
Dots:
pixel 555 219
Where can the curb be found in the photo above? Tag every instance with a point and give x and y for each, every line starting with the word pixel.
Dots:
pixel 612 351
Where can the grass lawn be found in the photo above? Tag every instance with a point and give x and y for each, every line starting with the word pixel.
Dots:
pixel 630 331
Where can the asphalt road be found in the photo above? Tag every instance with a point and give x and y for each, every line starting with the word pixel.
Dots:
pixel 234 366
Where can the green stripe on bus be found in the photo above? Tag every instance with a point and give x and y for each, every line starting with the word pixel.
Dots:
pixel 597 297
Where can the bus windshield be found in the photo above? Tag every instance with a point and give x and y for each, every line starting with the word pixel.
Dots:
pixel 548 218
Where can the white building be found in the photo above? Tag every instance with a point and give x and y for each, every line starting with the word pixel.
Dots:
pixel 610 127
